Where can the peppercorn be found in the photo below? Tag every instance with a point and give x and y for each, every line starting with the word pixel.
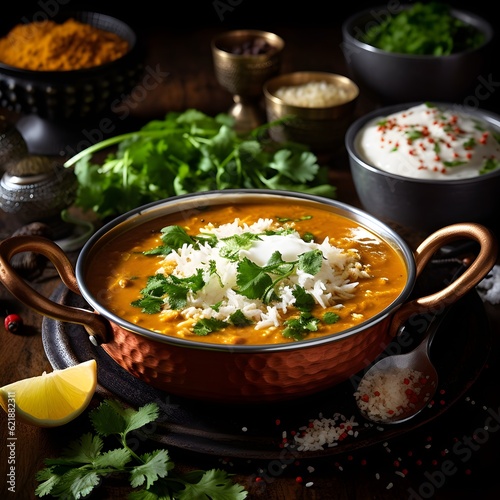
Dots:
pixel 13 323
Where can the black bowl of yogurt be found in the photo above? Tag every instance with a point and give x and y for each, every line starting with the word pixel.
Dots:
pixel 426 165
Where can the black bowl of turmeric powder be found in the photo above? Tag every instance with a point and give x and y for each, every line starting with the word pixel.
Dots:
pixel 61 74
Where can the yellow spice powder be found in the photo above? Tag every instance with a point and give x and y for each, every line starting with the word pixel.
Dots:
pixel 49 46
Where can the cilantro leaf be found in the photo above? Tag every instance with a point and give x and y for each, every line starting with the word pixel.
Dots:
pixel 170 288
pixel 251 279
pixel 175 236
pixel 113 459
pixel 233 244
pixel 311 262
pixel 489 165
pixel 239 319
pixel 298 328
pixel 83 451
pixel 330 318
pixel 300 167
pixel 303 300
pixel 208 325
pixel 212 484
pixel 154 465
pixel 112 418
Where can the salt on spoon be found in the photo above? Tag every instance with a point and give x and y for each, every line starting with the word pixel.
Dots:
pixel 398 387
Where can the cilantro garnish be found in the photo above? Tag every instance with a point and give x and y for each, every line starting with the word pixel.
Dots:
pixel 489 165
pixel 208 325
pixel 303 300
pixel 233 244
pixel 173 288
pixel 470 143
pixel 175 237
pixel 298 328
pixel 190 152
pixel 330 318
pixel 289 219
pixel 413 135
pixel 89 460
pixel 239 319
pixel 455 163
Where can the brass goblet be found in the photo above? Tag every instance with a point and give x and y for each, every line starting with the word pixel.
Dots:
pixel 243 61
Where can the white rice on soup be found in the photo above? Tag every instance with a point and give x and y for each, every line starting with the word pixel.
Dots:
pixel 336 280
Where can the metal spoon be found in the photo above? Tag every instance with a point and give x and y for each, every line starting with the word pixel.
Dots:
pixel 377 382
pixel 392 371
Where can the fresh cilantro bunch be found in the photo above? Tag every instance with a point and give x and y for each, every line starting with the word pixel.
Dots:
pixel 86 462
pixel 190 152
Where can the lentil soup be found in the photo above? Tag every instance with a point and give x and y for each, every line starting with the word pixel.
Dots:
pixel 253 274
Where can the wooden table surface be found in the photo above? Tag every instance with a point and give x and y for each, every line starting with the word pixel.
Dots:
pixel 421 464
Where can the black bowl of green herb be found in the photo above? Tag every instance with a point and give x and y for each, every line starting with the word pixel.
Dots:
pixel 420 51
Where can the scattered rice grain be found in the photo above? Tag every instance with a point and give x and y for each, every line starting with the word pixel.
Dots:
pixel 324 432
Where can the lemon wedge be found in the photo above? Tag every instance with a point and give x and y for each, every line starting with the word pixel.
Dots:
pixel 51 399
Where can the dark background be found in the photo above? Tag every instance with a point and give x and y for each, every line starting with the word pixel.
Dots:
pixel 230 14
pixel 148 17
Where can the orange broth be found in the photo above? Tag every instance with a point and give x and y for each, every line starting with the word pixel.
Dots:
pixel 120 270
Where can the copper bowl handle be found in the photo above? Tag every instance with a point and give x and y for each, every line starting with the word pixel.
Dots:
pixel 479 268
pixel 96 325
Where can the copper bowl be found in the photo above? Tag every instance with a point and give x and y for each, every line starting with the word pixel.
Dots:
pixel 243 373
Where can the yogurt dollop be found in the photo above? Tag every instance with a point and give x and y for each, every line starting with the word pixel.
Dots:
pixel 428 142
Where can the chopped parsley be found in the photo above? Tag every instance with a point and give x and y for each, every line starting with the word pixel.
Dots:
pixel 423 29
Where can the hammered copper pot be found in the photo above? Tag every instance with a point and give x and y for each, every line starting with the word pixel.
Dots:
pixel 243 373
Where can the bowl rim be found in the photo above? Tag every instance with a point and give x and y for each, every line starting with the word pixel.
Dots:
pixel 315 76
pixel 154 209
pixel 464 15
pixel 79 15
pixel 493 119
pixel 277 42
